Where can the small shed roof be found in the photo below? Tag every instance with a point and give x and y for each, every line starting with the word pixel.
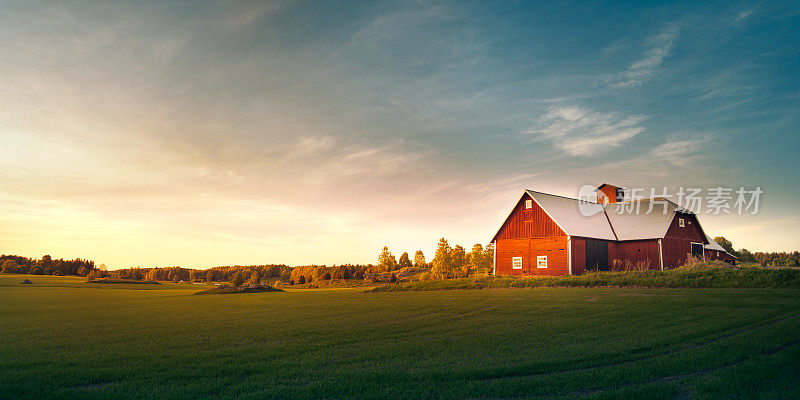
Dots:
pixel 608 184
pixel 713 245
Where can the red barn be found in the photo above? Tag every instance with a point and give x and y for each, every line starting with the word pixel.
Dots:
pixel 547 234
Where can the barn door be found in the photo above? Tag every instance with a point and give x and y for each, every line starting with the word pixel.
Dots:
pixel 596 255
pixel 697 250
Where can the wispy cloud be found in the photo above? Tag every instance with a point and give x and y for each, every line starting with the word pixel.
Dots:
pixel 743 15
pixel 239 18
pixel 640 71
pixel 581 132
pixel 679 153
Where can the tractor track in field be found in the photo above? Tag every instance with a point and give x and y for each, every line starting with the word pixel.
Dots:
pixel 680 377
pixel 691 346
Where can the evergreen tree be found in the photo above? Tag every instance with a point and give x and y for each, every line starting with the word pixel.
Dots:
pixel 460 266
pixel 386 261
pixel 442 262
pixel 477 259
pixel 404 262
pixel 488 258
pixel 419 260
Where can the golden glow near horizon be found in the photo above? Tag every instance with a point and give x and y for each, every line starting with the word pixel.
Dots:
pixel 137 136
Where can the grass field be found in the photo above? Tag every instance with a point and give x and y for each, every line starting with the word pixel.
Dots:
pixel 62 338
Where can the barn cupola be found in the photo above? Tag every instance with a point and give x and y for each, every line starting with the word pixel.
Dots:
pixel 607 194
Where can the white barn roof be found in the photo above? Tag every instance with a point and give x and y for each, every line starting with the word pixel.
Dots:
pixel 631 223
pixel 566 214
pixel 713 245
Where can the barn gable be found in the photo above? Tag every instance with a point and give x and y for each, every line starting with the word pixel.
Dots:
pixel 526 220
pixel 689 229
pixel 655 219
pixel 551 215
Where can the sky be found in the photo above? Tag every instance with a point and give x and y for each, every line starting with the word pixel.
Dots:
pixel 157 133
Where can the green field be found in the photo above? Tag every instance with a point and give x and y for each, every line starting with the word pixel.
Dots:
pixel 62 338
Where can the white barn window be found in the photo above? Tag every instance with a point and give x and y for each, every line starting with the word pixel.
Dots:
pixel 681 222
pixel 516 263
pixel 541 262
pixel 528 204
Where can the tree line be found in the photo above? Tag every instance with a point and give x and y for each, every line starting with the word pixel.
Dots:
pixel 45 266
pixel 767 259
pixel 771 259
pixel 255 273
pixel 248 274
pixel 454 262
pixel 448 262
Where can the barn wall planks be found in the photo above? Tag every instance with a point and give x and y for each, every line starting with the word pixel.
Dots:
pixel 634 251
pixel 555 248
pixel 690 231
pixel 578 255
pixel 677 243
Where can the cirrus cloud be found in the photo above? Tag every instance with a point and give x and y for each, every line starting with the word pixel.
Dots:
pixel 640 71
pixel 582 132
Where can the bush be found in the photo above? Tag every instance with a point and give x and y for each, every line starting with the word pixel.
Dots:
pixel 301 280
pixel 92 276
pixel 628 265
pixel 57 273
pixel 393 278
pixel 36 271
pixel 695 264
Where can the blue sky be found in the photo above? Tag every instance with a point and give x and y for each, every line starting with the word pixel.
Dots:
pixel 196 134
